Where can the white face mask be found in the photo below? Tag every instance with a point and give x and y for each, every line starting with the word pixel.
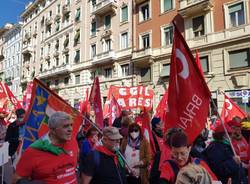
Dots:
pixel 134 135
pixel 116 148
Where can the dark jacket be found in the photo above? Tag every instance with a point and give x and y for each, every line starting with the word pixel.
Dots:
pixel 12 136
pixel 219 157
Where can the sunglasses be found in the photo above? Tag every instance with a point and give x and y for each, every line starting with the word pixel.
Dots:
pixel 134 130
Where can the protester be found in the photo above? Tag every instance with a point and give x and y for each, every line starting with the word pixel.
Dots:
pixel 222 161
pixel 53 158
pixel 137 152
pixel 239 142
pixel 118 121
pixel 157 132
pixel 193 174
pixel 180 151
pixel 126 121
pixel 15 132
pixel 103 165
pixel 199 144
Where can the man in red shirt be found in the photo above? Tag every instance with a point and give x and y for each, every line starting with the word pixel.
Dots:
pixel 53 158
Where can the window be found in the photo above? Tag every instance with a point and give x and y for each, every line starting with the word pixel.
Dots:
pixel 107 45
pixel 66 41
pixel 124 40
pixel 167 36
pixel 236 14
pixel 239 58
pixel 77 56
pixel 93 50
pixel 124 14
pixel 145 74
pixel 57 61
pixel 108 73
pixel 77 79
pixel 77 37
pixel 58 8
pixel 165 72
pixel 57 45
pixel 144 12
pixel 66 81
pixel 57 25
pixel 204 64
pixel 125 70
pixel 56 82
pixel 93 28
pixel 78 14
pixel 107 21
pixel 66 58
pixel 145 41
pixel 198 26
pixel 166 5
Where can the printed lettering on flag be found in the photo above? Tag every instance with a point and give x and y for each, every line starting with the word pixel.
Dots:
pixel 189 96
pixel 43 103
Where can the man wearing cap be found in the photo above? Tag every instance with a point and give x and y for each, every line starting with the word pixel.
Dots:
pixel 239 142
pixel 103 165
pixel 220 157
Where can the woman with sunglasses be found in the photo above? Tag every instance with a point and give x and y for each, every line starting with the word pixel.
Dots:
pixel 137 152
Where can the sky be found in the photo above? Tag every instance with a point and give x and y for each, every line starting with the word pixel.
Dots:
pixel 10 10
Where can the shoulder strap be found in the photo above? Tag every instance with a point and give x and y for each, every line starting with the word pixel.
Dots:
pixel 174 166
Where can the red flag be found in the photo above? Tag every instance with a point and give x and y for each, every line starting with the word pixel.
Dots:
pixel 12 98
pixel 147 131
pixel 198 62
pixel 161 109
pixel 230 110
pixel 95 101
pixel 84 104
pixel 27 96
pixel 189 95
pixel 115 110
pixel 3 99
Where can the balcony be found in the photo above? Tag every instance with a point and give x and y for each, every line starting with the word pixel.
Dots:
pixel 104 57
pixel 27 50
pixel 139 1
pixel 193 7
pixel 48 21
pixel 106 33
pixel 66 9
pixel 105 6
pixel 55 71
pixel 142 53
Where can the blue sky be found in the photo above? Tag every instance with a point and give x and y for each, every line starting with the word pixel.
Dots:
pixel 10 10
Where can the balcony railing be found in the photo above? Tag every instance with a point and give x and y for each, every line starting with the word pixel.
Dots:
pixel 104 57
pixel 27 50
pixel 142 53
pixel 105 6
pixel 56 70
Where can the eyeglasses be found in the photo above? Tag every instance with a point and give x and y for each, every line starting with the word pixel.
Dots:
pixel 134 130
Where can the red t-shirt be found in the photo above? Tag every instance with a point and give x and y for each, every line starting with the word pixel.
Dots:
pixel 48 167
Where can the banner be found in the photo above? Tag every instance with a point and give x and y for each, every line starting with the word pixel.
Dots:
pixel 130 97
pixel 12 98
pixel 44 102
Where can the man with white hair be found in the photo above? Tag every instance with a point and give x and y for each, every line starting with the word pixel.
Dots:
pixel 53 158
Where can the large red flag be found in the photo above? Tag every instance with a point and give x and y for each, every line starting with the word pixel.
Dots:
pixel 27 96
pixel 3 99
pixel 198 62
pixel 95 101
pixel 189 96
pixel 115 110
pixel 230 110
pixel 12 98
pixel 84 104
pixel 161 109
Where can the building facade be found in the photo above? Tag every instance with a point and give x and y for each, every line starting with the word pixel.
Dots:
pixel 12 62
pixel 128 42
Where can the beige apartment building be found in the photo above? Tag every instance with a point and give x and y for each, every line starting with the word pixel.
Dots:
pixel 128 42
pixel 220 30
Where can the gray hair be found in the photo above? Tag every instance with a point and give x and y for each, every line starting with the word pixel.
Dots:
pixel 57 118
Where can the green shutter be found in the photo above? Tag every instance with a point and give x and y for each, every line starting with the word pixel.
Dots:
pixel 235 8
pixel 78 13
pixel 125 13
pixel 107 21
pixel 165 71
pixel 66 42
pixel 167 5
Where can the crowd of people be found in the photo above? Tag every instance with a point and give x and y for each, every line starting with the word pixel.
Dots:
pixel 120 154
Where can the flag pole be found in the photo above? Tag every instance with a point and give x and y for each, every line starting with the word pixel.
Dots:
pixel 100 131
pixel 224 127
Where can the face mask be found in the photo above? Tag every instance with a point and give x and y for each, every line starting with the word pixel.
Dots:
pixel 116 148
pixel 134 135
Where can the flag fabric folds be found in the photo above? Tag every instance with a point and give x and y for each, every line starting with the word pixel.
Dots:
pixel 96 102
pixel 115 110
pixel 44 102
pixel 12 98
pixel 189 96
pixel 231 110
pixel 161 109
pixel 84 104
